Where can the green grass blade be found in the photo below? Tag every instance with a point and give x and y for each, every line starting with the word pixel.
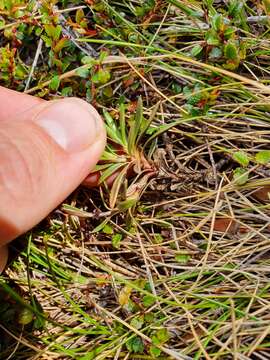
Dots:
pixel 135 127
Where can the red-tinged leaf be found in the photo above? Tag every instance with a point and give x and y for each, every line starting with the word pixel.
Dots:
pixel 230 226
pixel 91 33
pixel 262 194
pixel 64 42
pixel 132 106
pixel 93 180
pixel 116 186
pixel 79 16
pixel 225 225
pixel 128 82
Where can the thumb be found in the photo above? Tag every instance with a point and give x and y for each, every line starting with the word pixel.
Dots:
pixel 44 155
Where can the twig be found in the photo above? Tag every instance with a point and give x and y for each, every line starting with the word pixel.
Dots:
pixel 258 19
pixel 70 34
pixel 38 52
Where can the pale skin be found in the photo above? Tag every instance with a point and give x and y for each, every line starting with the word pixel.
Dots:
pixel 46 150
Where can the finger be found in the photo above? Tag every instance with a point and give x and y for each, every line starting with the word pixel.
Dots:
pixel 44 159
pixel 93 180
pixel 13 103
pixel 3 257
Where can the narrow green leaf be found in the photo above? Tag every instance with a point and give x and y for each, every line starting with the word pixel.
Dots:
pixel 135 127
pixel 61 44
pixel 147 123
pixel 196 50
pixel 187 10
pixel 109 171
pixel 116 186
pixel 127 204
pixel 123 124
pixel 217 22
pixel 57 32
pixel 110 155
pixel 100 226
pixel 101 167
pixel 112 130
pixel 49 29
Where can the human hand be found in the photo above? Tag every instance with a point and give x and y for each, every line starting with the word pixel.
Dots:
pixel 47 148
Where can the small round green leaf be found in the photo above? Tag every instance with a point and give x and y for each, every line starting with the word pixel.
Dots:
pixel 101 77
pixel 240 176
pixel 82 72
pixel 25 316
pixel 263 157
pixel 135 345
pixel 182 258
pixel 55 82
pixel 241 157
pixel 196 50
pixel 230 51
pixel 154 351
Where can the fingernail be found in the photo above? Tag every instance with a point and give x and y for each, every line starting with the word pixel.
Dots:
pixel 71 123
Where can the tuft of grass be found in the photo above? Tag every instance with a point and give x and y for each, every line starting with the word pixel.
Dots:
pixel 171 259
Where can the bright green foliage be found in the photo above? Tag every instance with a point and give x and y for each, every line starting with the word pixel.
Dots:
pixel 107 229
pixel 25 316
pixel 161 336
pixel 147 6
pixel 263 157
pixel 101 77
pixel 137 322
pixel 154 351
pixel 116 240
pixel 240 176
pixel 241 157
pixel 223 43
pixel 148 300
pixel 230 51
pixel 126 134
pixel 135 345
pixel 182 258
pixel 55 82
